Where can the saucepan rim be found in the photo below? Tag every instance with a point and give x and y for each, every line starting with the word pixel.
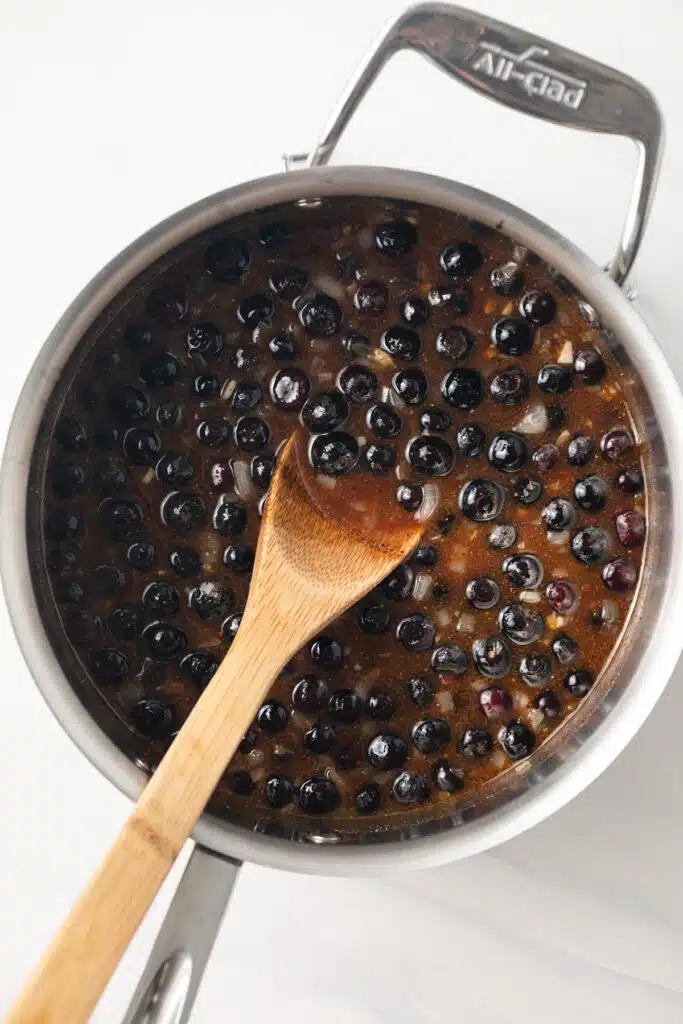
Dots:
pixel 657 652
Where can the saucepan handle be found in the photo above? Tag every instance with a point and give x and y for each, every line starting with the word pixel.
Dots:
pixel 169 983
pixel 527 73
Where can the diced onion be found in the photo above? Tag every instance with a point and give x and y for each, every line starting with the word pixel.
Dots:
pixel 244 485
pixel 444 699
pixel 422 587
pixel 430 502
pixel 566 356
pixel 535 421
pixel 330 285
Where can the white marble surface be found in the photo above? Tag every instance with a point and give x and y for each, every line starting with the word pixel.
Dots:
pixel 114 116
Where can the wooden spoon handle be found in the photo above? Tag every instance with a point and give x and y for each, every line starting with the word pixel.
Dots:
pixel 83 955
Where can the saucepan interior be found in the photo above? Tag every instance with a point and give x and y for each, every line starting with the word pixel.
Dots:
pixel 631 682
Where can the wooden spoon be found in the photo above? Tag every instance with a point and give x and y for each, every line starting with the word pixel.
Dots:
pixel 312 562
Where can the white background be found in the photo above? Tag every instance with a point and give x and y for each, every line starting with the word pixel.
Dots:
pixel 116 114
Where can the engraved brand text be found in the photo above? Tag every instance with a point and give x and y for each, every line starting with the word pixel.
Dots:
pixel 534 77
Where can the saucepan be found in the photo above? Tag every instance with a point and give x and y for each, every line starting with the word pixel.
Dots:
pixel 547 81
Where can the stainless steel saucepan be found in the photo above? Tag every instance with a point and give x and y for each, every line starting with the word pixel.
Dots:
pixel 539 78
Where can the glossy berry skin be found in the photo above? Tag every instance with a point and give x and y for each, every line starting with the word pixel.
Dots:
pixel 320 738
pixel 561 596
pixel 411 788
pixel 153 718
pixel 159 371
pixel 581 450
pixel 558 515
pixel 451 659
pixel 321 316
pixel 210 600
pixel 401 343
pixel 495 702
pixel 549 703
pixel 447 778
pixel 591 493
pixel 454 343
pixel 470 440
pixel 630 480
pixel 524 571
pixel 371 297
pixel 534 668
pixel 476 743
pixel 507 280
pixel 325 411
pixel 415 311
pixel 421 691
pixel 279 791
pixel 416 632
pixel 565 649
pixel 460 259
pixel 227 260
pixel 591 545
pixel 491 656
pixel 289 389
pixel 508 451
pixel 272 716
pixel 327 652
pixel 517 740
pixel 409 496
pixel 430 735
pixel 252 433
pixel 538 308
pixel 161 598
pixel 579 682
pixel 435 420
pixel 431 456
pixel 520 624
pixel 334 454
pixel 185 561
pixel 631 528
pixel 358 384
pixel 384 421
pixel 288 282
pixel 368 798
pixel 398 584
pixel 165 642
pixel 620 575
pixel 380 706
pixel 482 593
pixel 554 379
pixel 119 517
pixel 318 796
pixel 502 537
pixel 310 694
pixel 589 366
pixel 182 511
pixel 545 458
pixel 526 490
pixel 395 237
pixel 481 500
pixel 387 751
pixel 510 386
pixel 199 667
pixel 616 443
pixel 512 336
pixel 463 389
pixel 239 558
pixel 411 385
pixel 374 619
pixel 204 340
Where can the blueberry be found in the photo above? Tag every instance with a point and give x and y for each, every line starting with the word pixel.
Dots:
pixel 110 477
pixel 481 500
pixel 318 796
pixel 590 545
pixel 368 799
pixel 358 383
pixel 517 739
pixel 554 379
pixel 549 703
pixel 262 469
pixel 165 642
pixel 183 511
pixel 320 738
pixel 447 778
pixel 579 682
pixel 288 282
pixel 345 706
pixel 630 480
pixel 141 554
pixel 581 450
pixel 241 783
pixel 450 658
pixel 347 266
pixel 205 340
pixel 463 389
pixel 538 307
pixel 561 596
pixel 508 451
pixel 616 443
pixel 61 560
pixel 512 336
pixel 210 600
pixel 282 347
pixel 621 574
pixel 199 667
pixel 476 742
pixel 471 440
pixel 247 395
pixel 510 386
pixel 169 415
pixel 109 666
pixel 251 433
pixel 384 421
pixel 523 571
pixel 161 598
pixel 545 457
pixel 214 433
pixel 449 296
pixel 227 260
pixel 230 626
pixel 255 310
pixel 107 436
pixel 153 718
pixel 535 668
pixel 454 343
pixel 482 593
pixel 374 619
pixel 289 389
pixel 460 259
pixel 175 469
pixel 159 371
pixel 142 446
pixel 411 385
pixel 129 404
pixel 590 366
pixel 519 624
pixel 120 517
pixel 421 691
pixel 401 343
pixel 591 493
pixel 71 434
pixel 185 561
pixel 380 706
pixel 491 656
pixel 371 297
pixel 279 791
pixel 411 788
pixel 325 411
pixel 426 555
pixel 495 702
pixel 246 357
pixel 409 496
pixel 565 648
pixel 526 490
pixel 137 337
pixel 309 694
pixel 334 454
pixel 557 417
pixel 387 751
pixel 84 628
pixel 321 316
pixel 239 558
pixel 106 580
pixel 67 478
pixel 167 304
pixel 416 632
pixel 70 591
pixel 431 456
pixel 395 237
pixel 631 528
pixel 398 584
pixel 272 716
pixel 558 515
pixel 205 386
pixel 125 622
pixel 507 279
pixel 328 652
pixel 435 420
pixel 415 311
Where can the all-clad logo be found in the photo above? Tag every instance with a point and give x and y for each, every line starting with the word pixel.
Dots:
pixel 535 78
